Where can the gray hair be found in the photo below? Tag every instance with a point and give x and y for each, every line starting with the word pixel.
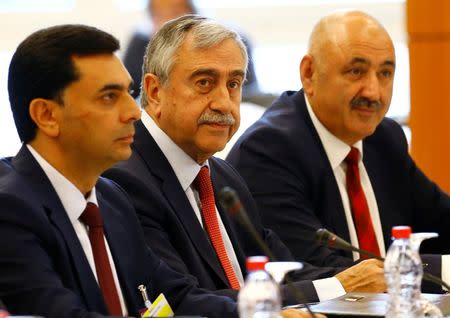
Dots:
pixel 160 54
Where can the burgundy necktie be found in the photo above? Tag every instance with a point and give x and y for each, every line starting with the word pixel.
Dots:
pixel 92 218
pixel 360 210
pixel 211 223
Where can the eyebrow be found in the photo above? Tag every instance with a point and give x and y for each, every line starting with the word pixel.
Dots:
pixel 388 63
pixel 117 87
pixel 214 73
pixel 238 73
pixel 357 60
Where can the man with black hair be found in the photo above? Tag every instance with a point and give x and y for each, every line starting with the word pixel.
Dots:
pixel 72 245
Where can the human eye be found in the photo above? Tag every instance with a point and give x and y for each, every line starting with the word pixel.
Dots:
pixel 204 85
pixel 387 73
pixel 204 82
pixel 109 97
pixel 234 84
pixel 355 71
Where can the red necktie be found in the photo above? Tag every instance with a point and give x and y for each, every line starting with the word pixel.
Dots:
pixel 360 210
pixel 92 218
pixel 206 193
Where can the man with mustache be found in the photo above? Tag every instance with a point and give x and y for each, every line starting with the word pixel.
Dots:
pixel 307 157
pixel 71 242
pixel 194 72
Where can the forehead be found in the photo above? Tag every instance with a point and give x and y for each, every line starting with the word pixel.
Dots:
pixel 225 56
pixel 367 41
pixel 100 69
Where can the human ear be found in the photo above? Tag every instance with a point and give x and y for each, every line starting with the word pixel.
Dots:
pixel 307 69
pixel 43 112
pixel 152 87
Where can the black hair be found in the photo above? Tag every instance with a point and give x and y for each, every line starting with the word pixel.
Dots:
pixel 42 67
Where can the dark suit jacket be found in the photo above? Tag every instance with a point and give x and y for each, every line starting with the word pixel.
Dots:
pixel 5 165
pixel 44 271
pixel 172 229
pixel 289 175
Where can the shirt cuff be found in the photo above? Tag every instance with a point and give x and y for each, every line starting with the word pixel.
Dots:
pixel 329 288
pixel 445 267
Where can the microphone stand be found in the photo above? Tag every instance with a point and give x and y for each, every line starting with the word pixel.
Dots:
pixel 230 201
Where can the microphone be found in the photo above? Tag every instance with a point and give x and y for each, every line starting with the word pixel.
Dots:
pixel 331 240
pixel 232 204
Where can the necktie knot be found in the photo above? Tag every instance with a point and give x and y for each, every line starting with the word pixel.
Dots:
pixel 352 157
pixel 91 216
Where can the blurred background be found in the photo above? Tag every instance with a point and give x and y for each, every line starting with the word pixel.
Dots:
pixel 277 29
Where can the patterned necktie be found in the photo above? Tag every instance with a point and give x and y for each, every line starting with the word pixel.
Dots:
pixel 92 218
pixel 206 193
pixel 360 210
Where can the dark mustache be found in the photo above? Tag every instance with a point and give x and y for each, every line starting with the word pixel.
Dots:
pixel 216 118
pixel 365 102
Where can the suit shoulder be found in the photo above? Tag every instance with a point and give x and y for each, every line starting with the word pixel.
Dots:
pixel 389 136
pixel 22 207
pixel 225 169
pixel 113 192
pixel 279 123
pixel 130 173
pixel 134 165
pixel 389 125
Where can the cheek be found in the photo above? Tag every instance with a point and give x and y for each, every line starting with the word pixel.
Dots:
pixel 237 117
pixel 387 97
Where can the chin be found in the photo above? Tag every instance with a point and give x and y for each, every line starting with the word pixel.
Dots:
pixel 217 148
pixel 213 146
pixel 124 155
pixel 367 133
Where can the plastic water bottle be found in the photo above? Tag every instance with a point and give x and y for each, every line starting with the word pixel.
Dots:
pixel 403 272
pixel 260 295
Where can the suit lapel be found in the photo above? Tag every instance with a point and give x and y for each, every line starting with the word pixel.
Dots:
pixel 157 163
pixel 336 217
pixel 120 245
pixel 26 165
pixel 377 176
pixel 219 184
pixel 89 287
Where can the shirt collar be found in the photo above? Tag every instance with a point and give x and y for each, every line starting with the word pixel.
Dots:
pixel 71 198
pixel 335 148
pixel 185 168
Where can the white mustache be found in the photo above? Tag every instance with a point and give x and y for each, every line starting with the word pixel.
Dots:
pixel 216 118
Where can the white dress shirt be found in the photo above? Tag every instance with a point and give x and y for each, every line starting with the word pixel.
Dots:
pixel 336 151
pixel 186 169
pixel 74 204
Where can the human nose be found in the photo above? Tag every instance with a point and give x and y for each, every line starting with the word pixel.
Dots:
pixel 221 100
pixel 131 111
pixel 371 89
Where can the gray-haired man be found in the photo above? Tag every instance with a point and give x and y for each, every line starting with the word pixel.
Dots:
pixel 194 69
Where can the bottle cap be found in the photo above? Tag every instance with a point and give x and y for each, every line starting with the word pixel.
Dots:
pixel 256 263
pixel 401 231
